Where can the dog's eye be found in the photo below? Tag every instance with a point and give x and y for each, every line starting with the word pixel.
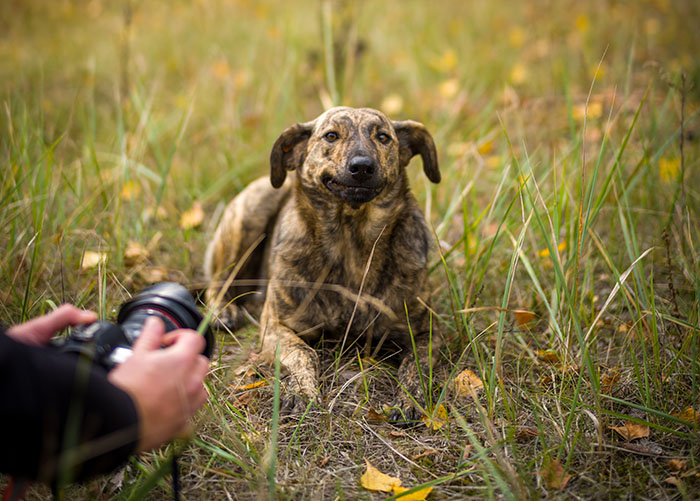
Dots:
pixel 331 137
pixel 383 138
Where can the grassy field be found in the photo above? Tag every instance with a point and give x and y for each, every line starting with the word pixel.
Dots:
pixel 566 269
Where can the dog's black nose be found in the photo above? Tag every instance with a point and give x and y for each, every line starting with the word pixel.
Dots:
pixel 361 168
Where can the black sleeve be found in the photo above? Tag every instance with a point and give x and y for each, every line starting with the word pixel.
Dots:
pixel 61 419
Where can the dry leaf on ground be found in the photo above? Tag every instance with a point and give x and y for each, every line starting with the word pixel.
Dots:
pixel 549 356
pixel 250 386
pixel 91 259
pixel 135 253
pixel 436 419
pixel 374 480
pixel 677 465
pixel 373 415
pixel 467 383
pixel 690 415
pixel 608 380
pixel 523 317
pixel 631 431
pixel 554 475
pixel 193 217
pixel 419 495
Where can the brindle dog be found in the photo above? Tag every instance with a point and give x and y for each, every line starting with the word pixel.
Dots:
pixel 346 247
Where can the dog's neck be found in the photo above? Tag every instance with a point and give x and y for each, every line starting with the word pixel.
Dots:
pixel 330 220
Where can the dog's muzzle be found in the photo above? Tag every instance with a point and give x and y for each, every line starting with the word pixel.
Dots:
pixel 359 183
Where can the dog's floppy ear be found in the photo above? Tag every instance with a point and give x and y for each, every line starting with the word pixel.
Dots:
pixel 415 139
pixel 289 151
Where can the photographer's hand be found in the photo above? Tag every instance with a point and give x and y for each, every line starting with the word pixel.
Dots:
pixel 166 384
pixel 39 331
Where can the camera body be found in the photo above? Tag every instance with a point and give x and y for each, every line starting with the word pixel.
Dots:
pixel 109 344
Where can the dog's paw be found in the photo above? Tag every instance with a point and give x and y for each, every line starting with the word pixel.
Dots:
pixel 405 415
pixel 298 395
pixel 229 319
pixel 293 405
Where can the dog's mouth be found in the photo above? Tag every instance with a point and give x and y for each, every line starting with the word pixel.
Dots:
pixel 354 194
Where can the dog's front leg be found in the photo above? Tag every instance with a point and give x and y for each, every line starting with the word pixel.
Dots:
pixel 298 360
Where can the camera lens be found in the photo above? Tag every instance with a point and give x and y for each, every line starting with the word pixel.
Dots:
pixel 169 301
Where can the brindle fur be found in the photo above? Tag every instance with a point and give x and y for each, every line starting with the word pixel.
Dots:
pixel 346 253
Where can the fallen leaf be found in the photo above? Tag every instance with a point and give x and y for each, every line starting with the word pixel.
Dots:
pixel 154 274
pixel 135 253
pixel 545 252
pixel 419 495
pixel 631 431
pixel 674 481
pixel 467 383
pixel 549 356
pixel 523 317
pixel 668 168
pixel 554 475
pixel 250 386
pixel 436 419
pixel 397 434
pixel 373 415
pixel 425 454
pixel 91 259
pixel 526 433
pixel 322 462
pixel 374 480
pixel 690 415
pixel 193 217
pixel 677 465
pixel 392 104
pixel 608 380
pixel 130 190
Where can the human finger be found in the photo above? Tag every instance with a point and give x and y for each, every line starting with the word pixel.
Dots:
pixel 188 342
pixel 39 330
pixel 151 336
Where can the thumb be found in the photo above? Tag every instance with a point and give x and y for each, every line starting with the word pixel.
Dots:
pixel 151 336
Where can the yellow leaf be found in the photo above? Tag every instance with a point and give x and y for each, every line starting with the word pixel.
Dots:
pixel 91 259
pixel 549 356
pixel 250 386
pixel 554 475
pixel 437 419
pixel 690 415
pixel 419 495
pixel 583 23
pixel 374 480
pixel 545 252
pixel 135 253
pixel 193 217
pixel 446 62
pixel 631 431
pixel 467 383
pixel 518 74
pixel 668 168
pixel 485 148
pixel 449 88
pixel 130 190
pixel 516 37
pixel 392 104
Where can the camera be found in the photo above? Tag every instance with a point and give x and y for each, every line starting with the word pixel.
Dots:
pixel 109 344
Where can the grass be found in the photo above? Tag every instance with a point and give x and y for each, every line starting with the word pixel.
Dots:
pixel 566 269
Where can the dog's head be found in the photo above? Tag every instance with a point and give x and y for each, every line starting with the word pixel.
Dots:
pixel 354 154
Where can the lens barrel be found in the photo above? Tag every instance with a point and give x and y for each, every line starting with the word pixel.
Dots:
pixel 169 301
